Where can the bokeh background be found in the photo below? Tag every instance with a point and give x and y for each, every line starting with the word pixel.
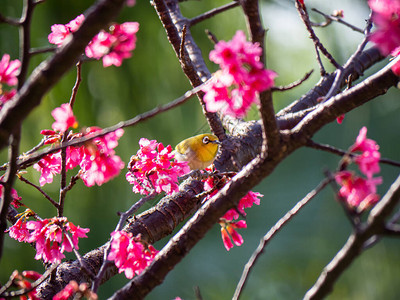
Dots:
pixel 296 256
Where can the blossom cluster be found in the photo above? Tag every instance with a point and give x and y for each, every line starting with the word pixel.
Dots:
pixel 235 87
pixel 154 168
pixel 111 46
pixel 129 254
pixel 386 17
pixel 229 221
pixel 49 236
pixel 8 75
pixel 359 192
pixel 96 158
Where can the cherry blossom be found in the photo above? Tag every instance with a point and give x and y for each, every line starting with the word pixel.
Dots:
pixel 154 167
pixel 64 118
pixel 9 70
pixel 96 158
pixel 99 163
pixel 359 193
pixel 229 233
pixel 228 225
pixel 129 254
pixel 234 88
pixel 368 161
pixel 114 46
pixel 60 32
pixel 49 236
pixel 386 17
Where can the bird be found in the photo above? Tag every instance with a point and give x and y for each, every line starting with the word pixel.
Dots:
pixel 199 150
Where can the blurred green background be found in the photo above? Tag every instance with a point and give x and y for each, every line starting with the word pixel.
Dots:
pixel 296 256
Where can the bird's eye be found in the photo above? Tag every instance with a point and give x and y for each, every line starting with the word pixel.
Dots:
pixel 206 140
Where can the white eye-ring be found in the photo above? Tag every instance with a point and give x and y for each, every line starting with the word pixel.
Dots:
pixel 206 140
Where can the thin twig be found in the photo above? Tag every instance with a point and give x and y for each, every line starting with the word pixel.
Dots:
pixel 271 233
pixel 10 21
pixel 306 20
pixel 78 256
pixel 55 204
pixel 211 36
pixel 293 84
pixel 34 51
pixel 77 83
pixel 331 18
pixel 322 70
pixel 340 152
pixel 212 13
pixel 340 72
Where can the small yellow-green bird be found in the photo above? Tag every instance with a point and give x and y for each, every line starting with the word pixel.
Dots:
pixel 199 151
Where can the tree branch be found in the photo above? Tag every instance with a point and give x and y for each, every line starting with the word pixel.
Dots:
pixel 355 243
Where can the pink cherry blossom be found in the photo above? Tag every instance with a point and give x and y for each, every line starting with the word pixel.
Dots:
pixel 64 118
pixel 386 17
pixel 96 158
pixel 48 166
pixel 9 70
pixel 99 163
pixel 359 193
pixel 129 254
pixel 368 161
pixel 235 87
pixel 48 235
pixel 154 167
pixel 60 32
pixel 114 46
pixel 229 233
pixel 228 225
pixel 19 231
